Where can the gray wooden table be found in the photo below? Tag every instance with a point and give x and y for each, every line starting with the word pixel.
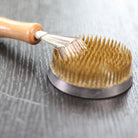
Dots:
pixel 30 107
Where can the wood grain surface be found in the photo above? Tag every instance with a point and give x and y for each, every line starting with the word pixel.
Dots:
pixel 30 107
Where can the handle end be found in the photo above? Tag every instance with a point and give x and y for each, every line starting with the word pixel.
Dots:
pixel 19 30
pixel 34 27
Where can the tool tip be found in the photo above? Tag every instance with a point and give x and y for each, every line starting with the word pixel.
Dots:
pixel 72 49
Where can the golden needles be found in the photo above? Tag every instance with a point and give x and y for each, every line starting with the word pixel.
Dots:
pixel 104 63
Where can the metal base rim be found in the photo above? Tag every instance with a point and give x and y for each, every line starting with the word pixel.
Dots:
pixel 90 93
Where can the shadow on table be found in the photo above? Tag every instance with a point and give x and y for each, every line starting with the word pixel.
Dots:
pixel 12 54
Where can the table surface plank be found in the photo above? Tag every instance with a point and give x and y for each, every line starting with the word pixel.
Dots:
pixel 30 107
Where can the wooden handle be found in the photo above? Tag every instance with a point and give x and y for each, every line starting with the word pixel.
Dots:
pixel 19 30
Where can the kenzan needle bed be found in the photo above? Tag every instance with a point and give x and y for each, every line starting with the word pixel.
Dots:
pixel 102 70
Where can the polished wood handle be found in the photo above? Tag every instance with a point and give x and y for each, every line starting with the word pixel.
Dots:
pixel 19 30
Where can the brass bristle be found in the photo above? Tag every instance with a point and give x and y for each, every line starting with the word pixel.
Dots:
pixel 102 64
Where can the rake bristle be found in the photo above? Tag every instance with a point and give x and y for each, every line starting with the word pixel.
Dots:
pixel 72 49
pixel 103 63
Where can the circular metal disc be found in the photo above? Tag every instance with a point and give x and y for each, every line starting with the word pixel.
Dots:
pixel 93 93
